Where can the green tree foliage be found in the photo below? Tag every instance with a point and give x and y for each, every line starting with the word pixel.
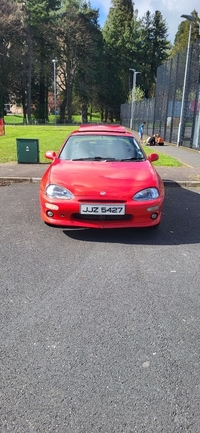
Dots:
pixel 80 47
pixel 152 49
pixel 92 64
pixel 88 80
pixel 10 51
pixel 132 43
pixel 38 20
pixel 120 37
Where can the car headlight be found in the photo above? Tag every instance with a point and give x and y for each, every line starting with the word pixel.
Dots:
pixel 146 194
pixel 56 191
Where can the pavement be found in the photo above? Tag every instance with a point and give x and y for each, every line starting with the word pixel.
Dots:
pixel 186 175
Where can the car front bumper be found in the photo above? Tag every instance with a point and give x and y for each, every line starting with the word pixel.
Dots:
pixel 67 214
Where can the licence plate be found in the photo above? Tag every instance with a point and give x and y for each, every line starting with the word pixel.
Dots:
pixel 97 209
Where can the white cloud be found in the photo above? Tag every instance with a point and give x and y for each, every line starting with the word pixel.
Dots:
pixel 171 11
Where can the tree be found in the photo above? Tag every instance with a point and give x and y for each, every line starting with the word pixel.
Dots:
pixel 120 38
pixel 10 34
pixel 92 65
pixel 89 61
pixel 132 43
pixel 38 19
pixel 79 44
pixel 153 50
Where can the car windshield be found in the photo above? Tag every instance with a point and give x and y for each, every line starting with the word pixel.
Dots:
pixel 101 148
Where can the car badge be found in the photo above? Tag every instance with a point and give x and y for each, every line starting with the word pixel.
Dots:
pixel 102 193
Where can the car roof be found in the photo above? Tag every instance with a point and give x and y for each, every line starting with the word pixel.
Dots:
pixel 100 129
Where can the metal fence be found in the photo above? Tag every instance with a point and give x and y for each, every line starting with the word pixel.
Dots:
pixel 162 114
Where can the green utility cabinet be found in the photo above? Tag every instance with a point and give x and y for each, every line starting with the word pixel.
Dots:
pixel 27 151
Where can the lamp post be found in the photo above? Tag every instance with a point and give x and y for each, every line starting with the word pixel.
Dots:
pixel 197 120
pixel 54 85
pixel 133 95
pixel 190 18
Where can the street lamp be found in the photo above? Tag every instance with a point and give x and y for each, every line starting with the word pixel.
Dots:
pixel 133 95
pixel 190 18
pixel 54 81
pixel 197 120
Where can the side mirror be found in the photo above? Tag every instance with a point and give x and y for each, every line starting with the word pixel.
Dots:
pixel 153 157
pixel 50 154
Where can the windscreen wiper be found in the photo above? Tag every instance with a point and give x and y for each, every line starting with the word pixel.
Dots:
pixel 94 158
pixel 132 159
pixel 81 159
pixel 100 158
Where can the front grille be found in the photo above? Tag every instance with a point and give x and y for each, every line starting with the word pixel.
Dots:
pixel 79 217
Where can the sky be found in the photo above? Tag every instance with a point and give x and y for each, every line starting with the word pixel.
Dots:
pixel 171 11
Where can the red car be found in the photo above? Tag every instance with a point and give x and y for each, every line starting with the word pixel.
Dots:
pixel 101 178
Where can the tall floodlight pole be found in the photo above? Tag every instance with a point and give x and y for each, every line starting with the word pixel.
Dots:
pixel 197 120
pixel 132 98
pixel 2 129
pixel 190 18
pixel 133 95
pixel 54 85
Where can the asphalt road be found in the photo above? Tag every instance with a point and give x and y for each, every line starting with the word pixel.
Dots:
pixel 99 329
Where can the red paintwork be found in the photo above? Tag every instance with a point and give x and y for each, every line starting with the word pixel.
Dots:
pixel 86 179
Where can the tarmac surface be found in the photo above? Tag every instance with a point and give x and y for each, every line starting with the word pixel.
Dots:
pixel 186 175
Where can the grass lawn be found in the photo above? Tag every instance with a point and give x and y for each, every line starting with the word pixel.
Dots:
pixel 164 160
pixel 51 138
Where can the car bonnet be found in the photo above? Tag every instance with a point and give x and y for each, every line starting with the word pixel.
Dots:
pixel 90 177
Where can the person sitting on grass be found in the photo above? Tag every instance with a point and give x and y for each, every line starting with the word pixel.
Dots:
pixel 151 141
pixel 159 140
